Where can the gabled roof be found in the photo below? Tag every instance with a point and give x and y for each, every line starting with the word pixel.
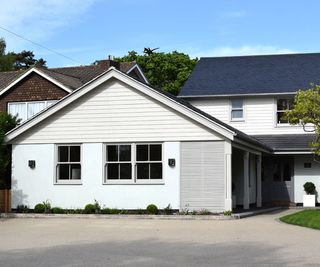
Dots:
pixel 173 102
pixel 252 75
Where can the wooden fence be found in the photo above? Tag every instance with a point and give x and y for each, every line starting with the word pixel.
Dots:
pixel 5 200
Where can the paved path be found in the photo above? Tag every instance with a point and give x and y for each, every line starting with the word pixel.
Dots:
pixel 254 241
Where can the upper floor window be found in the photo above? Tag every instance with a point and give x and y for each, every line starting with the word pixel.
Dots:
pixel 237 109
pixel 282 106
pixel 25 110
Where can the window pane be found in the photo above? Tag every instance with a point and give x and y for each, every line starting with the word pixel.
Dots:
pixel 63 152
pixel 75 171
pixel 155 152
pixel 236 114
pixel 18 109
pixel 156 171
pixel 125 171
pixel 142 152
pixel 112 171
pixel 34 108
pixel 112 153
pixel 237 103
pixel 74 153
pixel 143 171
pixel 63 171
pixel 281 117
pixel 125 153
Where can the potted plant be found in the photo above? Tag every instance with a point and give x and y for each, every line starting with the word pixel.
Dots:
pixel 309 200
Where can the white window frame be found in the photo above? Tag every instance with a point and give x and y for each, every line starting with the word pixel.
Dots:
pixel 231 109
pixel 26 103
pixel 65 181
pixel 133 180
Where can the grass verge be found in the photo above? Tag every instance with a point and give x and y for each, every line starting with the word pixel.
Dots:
pixel 306 218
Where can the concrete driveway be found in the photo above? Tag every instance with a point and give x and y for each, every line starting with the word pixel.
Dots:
pixel 255 241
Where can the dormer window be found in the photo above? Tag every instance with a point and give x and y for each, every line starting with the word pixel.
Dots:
pixel 237 109
pixel 283 105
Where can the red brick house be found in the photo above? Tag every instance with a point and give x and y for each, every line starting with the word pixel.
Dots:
pixel 25 93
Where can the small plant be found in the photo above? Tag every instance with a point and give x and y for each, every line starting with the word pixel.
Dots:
pixel 227 213
pixel 22 208
pixel 57 210
pixel 39 208
pixel 47 206
pixel 97 206
pixel 152 209
pixel 185 211
pixel 309 188
pixel 168 210
pixel 90 209
pixel 204 212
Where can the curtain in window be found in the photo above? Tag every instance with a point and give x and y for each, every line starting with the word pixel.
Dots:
pixel 18 109
pixel 34 108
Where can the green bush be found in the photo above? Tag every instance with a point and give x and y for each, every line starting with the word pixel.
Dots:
pixel 309 188
pixel 227 213
pixel 57 210
pixel 22 208
pixel 47 206
pixel 39 208
pixel 90 209
pixel 152 209
pixel 168 210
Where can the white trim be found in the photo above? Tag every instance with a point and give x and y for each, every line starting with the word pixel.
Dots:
pixel 42 74
pixel 243 119
pixel 136 66
pixel 139 86
pixel 237 95
pixel 292 152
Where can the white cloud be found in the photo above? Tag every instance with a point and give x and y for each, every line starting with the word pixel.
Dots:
pixel 241 51
pixel 38 19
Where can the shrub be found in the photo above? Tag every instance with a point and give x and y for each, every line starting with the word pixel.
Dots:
pixel 168 210
pixel 90 208
pixel 309 188
pixel 106 211
pixel 47 206
pixel 22 208
pixel 204 212
pixel 227 213
pixel 152 209
pixel 57 210
pixel 39 208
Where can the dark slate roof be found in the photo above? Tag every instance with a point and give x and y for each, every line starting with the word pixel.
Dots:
pixel 252 75
pixel 71 77
pixel 287 142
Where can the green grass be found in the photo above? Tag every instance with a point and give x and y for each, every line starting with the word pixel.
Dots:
pixel 306 218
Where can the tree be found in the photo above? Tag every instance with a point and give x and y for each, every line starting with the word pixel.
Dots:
pixel 17 61
pixel 306 112
pixel 7 123
pixel 165 71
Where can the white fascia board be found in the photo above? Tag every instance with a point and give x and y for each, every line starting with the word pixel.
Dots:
pixel 243 145
pixel 297 152
pixel 237 95
pixel 136 66
pixel 39 73
pixel 145 89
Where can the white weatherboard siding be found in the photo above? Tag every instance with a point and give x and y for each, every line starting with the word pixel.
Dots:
pixel 303 175
pixel 259 115
pixel 31 186
pixel 203 176
pixel 115 112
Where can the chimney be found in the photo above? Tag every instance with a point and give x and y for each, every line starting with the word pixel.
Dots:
pixel 107 63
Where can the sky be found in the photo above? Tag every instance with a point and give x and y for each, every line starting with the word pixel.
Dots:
pixel 88 30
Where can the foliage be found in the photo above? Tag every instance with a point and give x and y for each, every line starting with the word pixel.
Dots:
pixel 306 218
pixel 309 188
pixel 39 208
pixel 57 210
pixel 47 206
pixel 7 123
pixel 227 213
pixel 152 209
pixel 17 61
pixel 165 71
pixel 306 111
pixel 168 210
pixel 22 208
pixel 90 208
pixel 203 212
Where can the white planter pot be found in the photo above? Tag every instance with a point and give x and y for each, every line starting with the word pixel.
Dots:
pixel 234 201
pixel 309 200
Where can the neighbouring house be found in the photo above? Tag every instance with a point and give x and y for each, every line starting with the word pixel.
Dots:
pixel 25 93
pixel 223 142
pixel 251 94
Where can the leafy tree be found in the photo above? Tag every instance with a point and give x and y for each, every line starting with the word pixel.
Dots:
pixel 165 71
pixel 17 61
pixel 7 122
pixel 306 111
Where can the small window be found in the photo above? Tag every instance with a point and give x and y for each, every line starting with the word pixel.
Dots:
pixel 118 162
pixel 237 109
pixel 283 105
pixel 68 163
pixel 149 161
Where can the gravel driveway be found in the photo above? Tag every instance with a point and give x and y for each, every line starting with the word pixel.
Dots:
pixel 254 241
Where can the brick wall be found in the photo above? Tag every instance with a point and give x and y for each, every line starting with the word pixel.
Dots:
pixel 32 88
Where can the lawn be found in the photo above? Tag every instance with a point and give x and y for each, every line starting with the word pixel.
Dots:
pixel 306 218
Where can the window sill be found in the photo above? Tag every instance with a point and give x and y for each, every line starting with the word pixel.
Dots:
pixel 134 183
pixel 239 120
pixel 68 183
pixel 287 125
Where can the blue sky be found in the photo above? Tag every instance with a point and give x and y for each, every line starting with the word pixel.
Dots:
pixel 87 30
